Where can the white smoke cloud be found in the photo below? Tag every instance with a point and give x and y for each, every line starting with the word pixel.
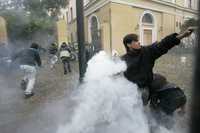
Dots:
pixel 108 103
pixel 103 66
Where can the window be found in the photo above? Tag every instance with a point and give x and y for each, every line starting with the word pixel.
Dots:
pixel 94 33
pixel 147 18
pixel 148 32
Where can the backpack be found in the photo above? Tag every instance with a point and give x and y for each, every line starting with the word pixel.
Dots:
pixel 64 53
pixel 168 99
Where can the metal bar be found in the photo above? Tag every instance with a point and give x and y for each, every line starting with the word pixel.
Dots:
pixel 195 117
pixel 81 38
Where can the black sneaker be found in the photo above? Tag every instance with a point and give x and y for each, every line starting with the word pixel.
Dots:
pixel 28 95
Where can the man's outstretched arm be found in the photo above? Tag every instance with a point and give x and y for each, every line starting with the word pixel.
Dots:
pixel 160 48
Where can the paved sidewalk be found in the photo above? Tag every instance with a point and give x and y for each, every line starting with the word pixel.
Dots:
pixel 43 112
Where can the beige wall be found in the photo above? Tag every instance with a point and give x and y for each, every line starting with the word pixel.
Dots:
pixel 168 24
pixel 103 16
pixel 72 31
pixel 3 31
pixel 150 4
pixel 126 19
pixel 62 31
pixel 106 37
pixel 158 6
pixel 180 2
pixel 159 24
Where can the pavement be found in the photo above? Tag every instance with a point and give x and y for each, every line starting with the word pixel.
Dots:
pixel 43 112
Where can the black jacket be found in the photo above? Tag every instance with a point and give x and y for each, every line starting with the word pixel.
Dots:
pixel 65 48
pixel 140 63
pixel 28 56
pixel 53 50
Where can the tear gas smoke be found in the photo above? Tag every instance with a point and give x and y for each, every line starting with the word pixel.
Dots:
pixel 108 103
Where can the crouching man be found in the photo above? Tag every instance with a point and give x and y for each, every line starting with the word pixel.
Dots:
pixel 28 60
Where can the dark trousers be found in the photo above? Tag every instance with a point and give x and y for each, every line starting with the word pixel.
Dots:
pixel 66 65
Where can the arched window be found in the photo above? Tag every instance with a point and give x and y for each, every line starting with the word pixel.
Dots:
pixel 147 18
pixel 147 28
pixel 94 27
pixel 94 33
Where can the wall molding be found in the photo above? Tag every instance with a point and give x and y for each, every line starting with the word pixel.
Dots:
pixel 96 6
pixel 149 8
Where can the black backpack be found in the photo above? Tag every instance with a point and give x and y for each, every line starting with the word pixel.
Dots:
pixel 166 96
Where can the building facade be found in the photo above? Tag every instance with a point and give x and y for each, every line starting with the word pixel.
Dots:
pixel 108 21
pixel 3 31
